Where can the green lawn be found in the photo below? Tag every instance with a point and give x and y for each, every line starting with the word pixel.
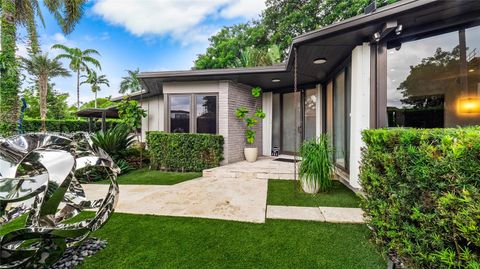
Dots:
pixel 153 177
pixel 140 241
pixel 284 192
pixel 136 241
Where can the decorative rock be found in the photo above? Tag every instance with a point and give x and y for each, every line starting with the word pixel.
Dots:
pixel 74 256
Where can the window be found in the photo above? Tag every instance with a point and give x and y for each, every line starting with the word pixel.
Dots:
pixel 206 113
pixel 434 82
pixel 204 109
pixel 180 106
pixel 338 116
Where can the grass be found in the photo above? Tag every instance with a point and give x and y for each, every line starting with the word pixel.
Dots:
pixel 140 241
pixel 136 241
pixel 284 192
pixel 153 177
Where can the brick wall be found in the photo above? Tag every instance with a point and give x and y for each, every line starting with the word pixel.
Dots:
pixel 240 95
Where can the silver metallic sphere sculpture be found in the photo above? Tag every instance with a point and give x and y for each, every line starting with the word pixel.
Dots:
pixel 37 179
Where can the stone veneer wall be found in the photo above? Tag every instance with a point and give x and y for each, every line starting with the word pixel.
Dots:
pixel 240 95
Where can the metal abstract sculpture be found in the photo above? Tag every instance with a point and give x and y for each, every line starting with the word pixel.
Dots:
pixel 37 179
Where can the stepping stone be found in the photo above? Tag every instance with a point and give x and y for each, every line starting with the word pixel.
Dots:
pixel 342 215
pixel 294 213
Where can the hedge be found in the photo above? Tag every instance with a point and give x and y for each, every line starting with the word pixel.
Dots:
pixel 64 126
pixel 422 195
pixel 184 152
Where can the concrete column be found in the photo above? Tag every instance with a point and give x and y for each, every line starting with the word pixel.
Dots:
pixel 360 107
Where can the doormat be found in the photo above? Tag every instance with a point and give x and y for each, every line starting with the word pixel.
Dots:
pixel 285 160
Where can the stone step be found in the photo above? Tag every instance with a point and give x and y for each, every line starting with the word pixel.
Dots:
pixel 225 173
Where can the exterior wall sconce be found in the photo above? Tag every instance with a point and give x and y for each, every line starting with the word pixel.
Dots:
pixel 469 105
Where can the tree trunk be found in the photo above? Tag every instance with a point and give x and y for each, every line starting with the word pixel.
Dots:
pixel 43 90
pixel 78 89
pixel 9 75
pixel 95 99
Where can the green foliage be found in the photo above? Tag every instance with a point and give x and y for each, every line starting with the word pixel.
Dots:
pixel 242 114
pixel 317 165
pixel 57 106
pixel 184 152
pixel 131 113
pixel 9 83
pixel 254 43
pixel 114 141
pixel 101 103
pixel 422 193
pixel 64 126
pixel 131 83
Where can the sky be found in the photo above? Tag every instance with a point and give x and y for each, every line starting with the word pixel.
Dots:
pixel 153 35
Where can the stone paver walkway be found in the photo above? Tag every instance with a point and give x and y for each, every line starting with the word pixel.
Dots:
pixel 325 214
pixel 228 199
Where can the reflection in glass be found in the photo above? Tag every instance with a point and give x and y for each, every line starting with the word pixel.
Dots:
pixel 289 130
pixel 180 113
pixel 310 121
pixel 339 123
pixel 276 120
pixel 428 78
pixel 206 109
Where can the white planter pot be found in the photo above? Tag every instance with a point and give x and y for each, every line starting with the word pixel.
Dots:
pixel 309 186
pixel 250 154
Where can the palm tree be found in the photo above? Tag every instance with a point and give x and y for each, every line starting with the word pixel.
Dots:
pixel 42 68
pixel 79 60
pixel 253 57
pixel 130 83
pixel 95 81
pixel 24 13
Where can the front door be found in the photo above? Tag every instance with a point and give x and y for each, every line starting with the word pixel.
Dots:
pixel 288 133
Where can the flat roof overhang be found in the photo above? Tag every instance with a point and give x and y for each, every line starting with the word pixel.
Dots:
pixel 334 42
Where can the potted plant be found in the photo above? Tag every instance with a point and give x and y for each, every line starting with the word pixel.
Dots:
pixel 242 113
pixel 316 167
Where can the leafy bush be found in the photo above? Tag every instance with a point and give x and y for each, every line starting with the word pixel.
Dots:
pixel 114 141
pixel 184 152
pixel 316 167
pixel 422 195
pixel 64 126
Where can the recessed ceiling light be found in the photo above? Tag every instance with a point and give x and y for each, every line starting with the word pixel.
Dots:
pixel 471 70
pixel 276 80
pixel 319 61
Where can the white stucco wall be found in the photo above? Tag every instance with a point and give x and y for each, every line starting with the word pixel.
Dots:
pixel 360 107
pixel 154 121
pixel 267 106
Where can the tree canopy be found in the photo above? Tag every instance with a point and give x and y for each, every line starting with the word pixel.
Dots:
pixel 279 23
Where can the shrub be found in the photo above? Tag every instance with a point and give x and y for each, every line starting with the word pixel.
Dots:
pixel 422 195
pixel 114 141
pixel 316 167
pixel 64 126
pixel 184 152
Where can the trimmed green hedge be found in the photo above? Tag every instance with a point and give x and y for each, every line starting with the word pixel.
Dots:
pixel 184 152
pixel 64 126
pixel 422 195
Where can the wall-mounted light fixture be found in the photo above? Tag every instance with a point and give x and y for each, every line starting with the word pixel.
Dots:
pixel 399 29
pixel 320 61
pixel 469 105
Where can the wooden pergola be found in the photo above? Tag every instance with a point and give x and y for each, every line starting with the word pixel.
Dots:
pixel 98 113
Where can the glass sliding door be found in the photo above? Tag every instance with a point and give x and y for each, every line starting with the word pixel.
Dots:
pixel 276 121
pixel 341 118
pixel 291 133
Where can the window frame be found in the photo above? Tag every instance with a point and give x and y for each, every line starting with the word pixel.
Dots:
pixel 379 71
pixel 193 110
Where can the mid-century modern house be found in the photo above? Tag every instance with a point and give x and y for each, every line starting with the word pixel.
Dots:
pixel 415 63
